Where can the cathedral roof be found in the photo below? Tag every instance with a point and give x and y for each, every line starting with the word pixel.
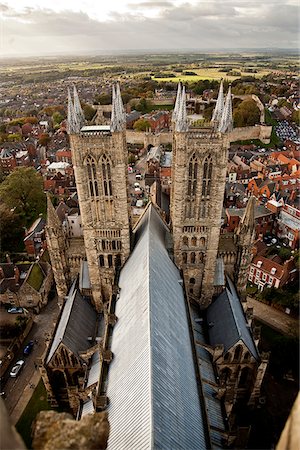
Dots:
pixel 228 322
pixel 153 393
pixel 76 325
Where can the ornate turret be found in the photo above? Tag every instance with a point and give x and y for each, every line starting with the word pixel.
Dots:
pixel 77 107
pixel 181 123
pixel 244 236
pixel 118 117
pixel 57 250
pixel 218 111
pixel 177 102
pixel 226 123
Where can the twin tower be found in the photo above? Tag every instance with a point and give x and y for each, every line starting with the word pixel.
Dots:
pixel 100 160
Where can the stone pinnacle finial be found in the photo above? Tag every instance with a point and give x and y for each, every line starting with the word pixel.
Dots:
pixel 177 102
pixel 181 123
pixel 217 114
pixel 52 217
pixel 118 117
pixel 226 123
pixel 247 222
pixel 73 122
pixel 77 106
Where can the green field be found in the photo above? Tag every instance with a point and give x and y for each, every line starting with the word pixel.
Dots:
pixel 210 74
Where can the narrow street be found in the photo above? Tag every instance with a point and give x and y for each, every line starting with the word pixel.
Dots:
pixel 276 319
pixel 19 390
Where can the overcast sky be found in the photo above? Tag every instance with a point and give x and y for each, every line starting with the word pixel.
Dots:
pixel 41 27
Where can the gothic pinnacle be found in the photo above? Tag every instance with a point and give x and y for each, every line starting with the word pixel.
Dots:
pixel 181 123
pixel 52 218
pixel 177 102
pixel 118 118
pixel 248 220
pixel 226 123
pixel 77 107
pixel 217 114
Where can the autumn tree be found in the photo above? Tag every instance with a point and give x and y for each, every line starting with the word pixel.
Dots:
pixel 141 125
pixel 88 111
pixel 44 139
pixel 22 191
pixel 11 230
pixel 246 114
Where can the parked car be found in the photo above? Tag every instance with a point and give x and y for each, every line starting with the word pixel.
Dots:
pixel 16 369
pixel 15 310
pixel 28 348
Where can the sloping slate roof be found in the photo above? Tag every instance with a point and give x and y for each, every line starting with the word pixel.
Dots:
pixel 77 323
pixel 152 387
pixel 84 277
pixel 228 321
pixel 213 405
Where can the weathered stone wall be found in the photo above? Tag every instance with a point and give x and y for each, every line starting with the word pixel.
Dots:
pixel 53 431
pixel 105 219
pixel 261 132
pixel 196 232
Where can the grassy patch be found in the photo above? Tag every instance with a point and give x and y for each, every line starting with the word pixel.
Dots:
pixel 37 403
pixel 36 277
pixel 208 74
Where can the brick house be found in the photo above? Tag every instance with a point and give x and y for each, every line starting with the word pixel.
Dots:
pixel 26 285
pixel 265 272
pixel 288 226
pixel 35 239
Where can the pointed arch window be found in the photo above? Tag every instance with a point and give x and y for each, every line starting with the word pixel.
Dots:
pixel 106 176
pixel 92 176
pixel 206 185
pixel 206 180
pixel 192 185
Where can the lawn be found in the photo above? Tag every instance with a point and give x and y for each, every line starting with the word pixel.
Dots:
pixel 209 74
pixel 37 403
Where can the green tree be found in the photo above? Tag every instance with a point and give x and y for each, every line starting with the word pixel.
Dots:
pixel 89 112
pixel 11 231
pixel 57 118
pixel 284 253
pixel 296 116
pixel 141 125
pixel 14 137
pixel 23 192
pixel 143 106
pixel 246 114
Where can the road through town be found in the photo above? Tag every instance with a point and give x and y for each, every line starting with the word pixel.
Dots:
pixel 18 391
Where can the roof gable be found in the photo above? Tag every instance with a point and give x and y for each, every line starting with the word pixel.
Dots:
pixel 227 322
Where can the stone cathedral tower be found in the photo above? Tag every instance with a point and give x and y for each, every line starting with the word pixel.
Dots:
pixel 198 183
pixel 99 155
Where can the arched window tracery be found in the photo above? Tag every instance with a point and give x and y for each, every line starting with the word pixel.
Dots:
pixel 92 176
pixel 206 185
pixel 106 176
pixel 192 185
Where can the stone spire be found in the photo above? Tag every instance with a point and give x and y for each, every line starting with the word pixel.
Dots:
pixel 247 223
pixel 73 122
pixel 52 218
pixel 226 123
pixel 77 107
pixel 118 118
pixel 177 102
pixel 181 123
pixel 217 114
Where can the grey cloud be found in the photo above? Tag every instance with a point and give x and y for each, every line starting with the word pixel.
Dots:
pixel 149 5
pixel 206 25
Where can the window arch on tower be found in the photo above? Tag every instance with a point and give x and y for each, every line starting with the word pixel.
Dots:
pixel 92 176
pixel 193 166
pixel 106 176
pixel 206 185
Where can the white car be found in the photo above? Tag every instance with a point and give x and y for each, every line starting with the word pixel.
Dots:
pixel 16 369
